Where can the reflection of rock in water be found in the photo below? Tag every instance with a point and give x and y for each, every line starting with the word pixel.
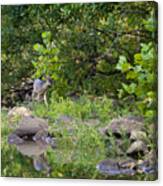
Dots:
pixel 116 167
pixel 112 167
pixel 36 151
pixel 40 163
pixel 32 139
pixel 31 148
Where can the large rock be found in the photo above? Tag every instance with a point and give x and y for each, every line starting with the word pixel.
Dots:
pixel 137 147
pixel 124 125
pixel 31 126
pixel 18 112
pixel 112 167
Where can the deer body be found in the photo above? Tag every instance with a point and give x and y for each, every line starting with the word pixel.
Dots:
pixel 40 88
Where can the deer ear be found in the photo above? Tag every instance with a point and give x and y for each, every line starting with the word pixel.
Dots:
pixel 49 79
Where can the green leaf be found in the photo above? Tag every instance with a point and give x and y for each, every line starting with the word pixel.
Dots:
pixel 150 78
pixel 54 59
pixel 129 88
pixel 123 65
pixel 138 59
pixel 38 47
pixel 151 94
pixel 150 24
pixel 138 68
pixel 125 87
pixel 46 35
pixel 120 93
pixel 150 113
pixel 131 75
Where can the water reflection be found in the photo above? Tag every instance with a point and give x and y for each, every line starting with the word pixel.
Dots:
pixel 113 167
pixel 32 139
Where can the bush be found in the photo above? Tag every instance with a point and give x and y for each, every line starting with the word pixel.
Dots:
pixel 142 80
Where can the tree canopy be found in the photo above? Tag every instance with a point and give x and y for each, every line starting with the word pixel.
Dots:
pixel 84 48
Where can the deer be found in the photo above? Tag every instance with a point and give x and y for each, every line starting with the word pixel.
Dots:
pixel 40 88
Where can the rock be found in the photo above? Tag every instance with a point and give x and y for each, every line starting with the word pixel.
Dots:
pixel 126 166
pixel 146 167
pixel 103 131
pixel 18 112
pixel 138 135
pixel 41 135
pixel 112 167
pixel 152 156
pixel 32 139
pixel 31 125
pixel 129 136
pixel 64 119
pixel 126 136
pixel 15 139
pixel 123 125
pixel 135 118
pixel 31 129
pixel 30 133
pixel 137 147
pixel 127 163
pixel 91 122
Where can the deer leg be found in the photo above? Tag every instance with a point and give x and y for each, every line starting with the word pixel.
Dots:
pixel 45 99
pixel 34 96
pixel 40 97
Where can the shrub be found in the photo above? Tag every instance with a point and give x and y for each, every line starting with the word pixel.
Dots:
pixel 141 79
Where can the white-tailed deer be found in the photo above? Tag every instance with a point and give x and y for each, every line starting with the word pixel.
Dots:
pixel 40 88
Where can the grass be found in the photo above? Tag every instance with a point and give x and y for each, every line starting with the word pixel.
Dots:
pixel 79 146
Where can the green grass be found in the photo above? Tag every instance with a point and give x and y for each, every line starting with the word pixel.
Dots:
pixel 79 146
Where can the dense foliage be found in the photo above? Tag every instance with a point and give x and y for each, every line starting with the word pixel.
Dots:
pixel 78 45
pixel 142 76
